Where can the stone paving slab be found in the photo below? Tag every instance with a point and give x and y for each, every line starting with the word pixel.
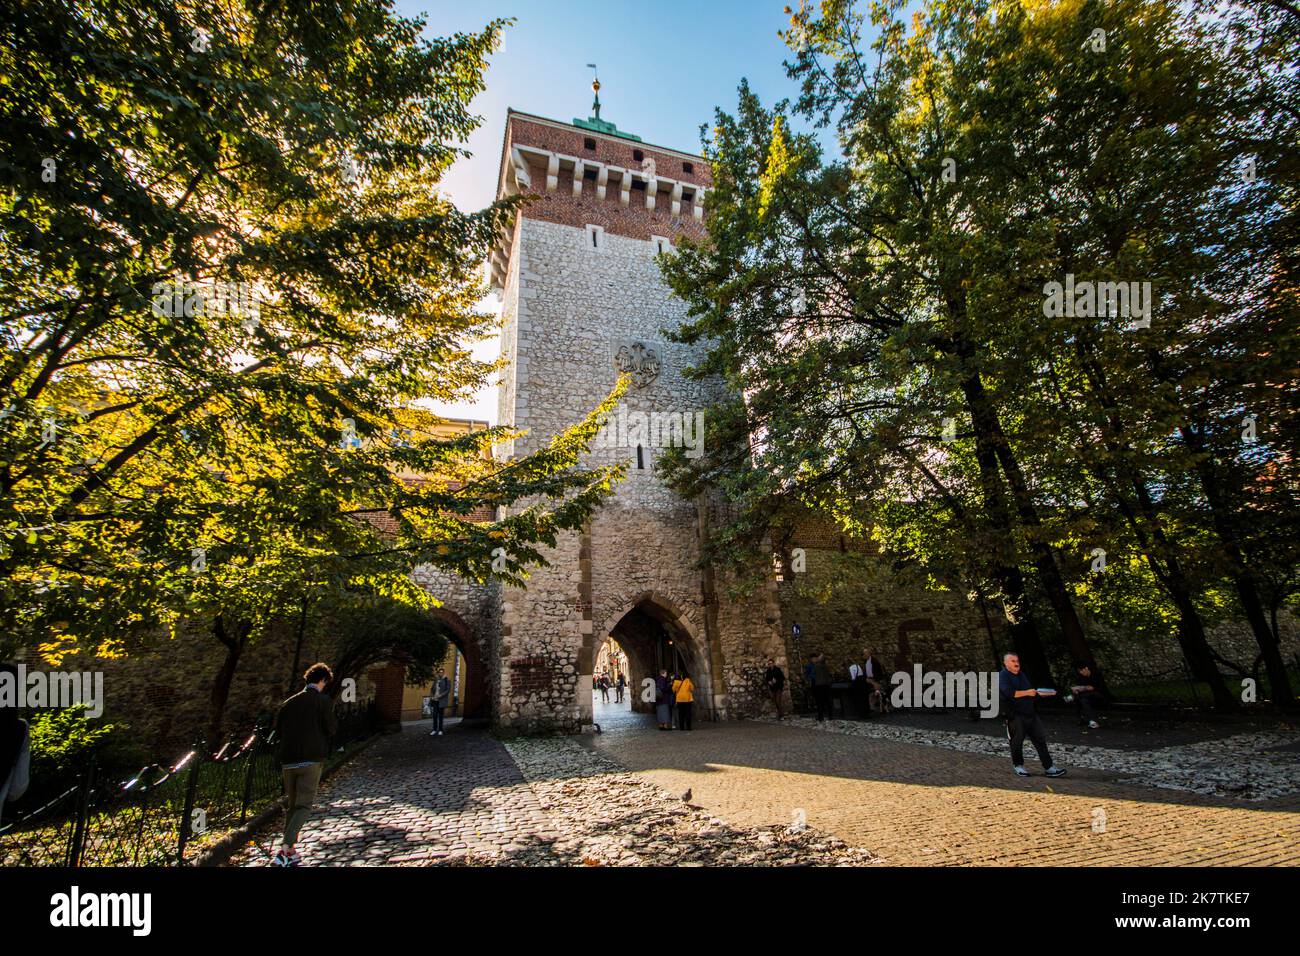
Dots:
pixel 612 817
pixel 1259 765
pixel 763 793
pixel 918 804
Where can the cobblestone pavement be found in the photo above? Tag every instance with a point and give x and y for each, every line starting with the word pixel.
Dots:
pixel 918 803
pixel 411 799
pixel 467 799
pixel 763 793
pixel 1251 766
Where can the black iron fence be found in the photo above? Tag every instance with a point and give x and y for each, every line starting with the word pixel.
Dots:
pixel 163 815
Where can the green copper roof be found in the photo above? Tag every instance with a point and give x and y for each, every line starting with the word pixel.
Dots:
pixel 598 125
pixel 595 123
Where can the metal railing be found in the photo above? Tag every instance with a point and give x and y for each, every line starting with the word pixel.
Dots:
pixel 163 815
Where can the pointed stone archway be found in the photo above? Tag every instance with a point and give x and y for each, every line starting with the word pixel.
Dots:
pixel 654 632
pixel 477 702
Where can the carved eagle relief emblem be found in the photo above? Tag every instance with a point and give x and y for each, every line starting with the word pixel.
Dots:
pixel 638 362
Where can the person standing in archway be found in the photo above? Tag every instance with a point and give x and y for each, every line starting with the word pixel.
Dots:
pixel 663 700
pixel 684 694
pixel 619 687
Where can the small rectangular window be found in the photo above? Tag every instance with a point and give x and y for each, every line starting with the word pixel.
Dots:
pixel 638 184
pixel 589 173
pixel 638 155
pixel 589 143
pixel 688 195
pixel 688 167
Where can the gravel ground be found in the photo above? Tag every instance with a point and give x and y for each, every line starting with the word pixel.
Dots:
pixel 609 817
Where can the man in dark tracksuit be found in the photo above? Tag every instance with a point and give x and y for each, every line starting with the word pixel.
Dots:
pixel 774 681
pixel 305 725
pixel 1022 720
pixel 821 686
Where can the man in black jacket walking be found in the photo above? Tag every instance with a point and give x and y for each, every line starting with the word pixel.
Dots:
pixel 304 726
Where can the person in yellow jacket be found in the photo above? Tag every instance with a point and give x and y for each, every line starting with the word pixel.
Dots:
pixel 684 694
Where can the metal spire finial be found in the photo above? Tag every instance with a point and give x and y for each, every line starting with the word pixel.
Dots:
pixel 595 88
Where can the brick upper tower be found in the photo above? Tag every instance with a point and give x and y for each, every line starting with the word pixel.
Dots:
pixel 592 175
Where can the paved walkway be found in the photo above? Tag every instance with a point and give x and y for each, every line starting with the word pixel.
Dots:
pixel 468 799
pixel 412 799
pixel 762 793
pixel 914 804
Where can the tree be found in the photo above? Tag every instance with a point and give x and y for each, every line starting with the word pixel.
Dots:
pixel 229 280
pixel 383 630
pixel 885 316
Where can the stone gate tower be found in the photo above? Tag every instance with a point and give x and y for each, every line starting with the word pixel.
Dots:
pixel 583 299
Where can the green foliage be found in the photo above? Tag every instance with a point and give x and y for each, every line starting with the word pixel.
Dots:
pixel 882 312
pixel 156 467
pixel 381 630
pixel 63 740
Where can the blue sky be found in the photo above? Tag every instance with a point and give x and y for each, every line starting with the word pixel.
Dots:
pixel 664 68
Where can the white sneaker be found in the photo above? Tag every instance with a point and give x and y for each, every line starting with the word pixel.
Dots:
pixel 1093 725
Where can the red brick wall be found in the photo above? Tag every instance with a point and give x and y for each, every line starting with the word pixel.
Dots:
pixel 633 221
pixel 388 682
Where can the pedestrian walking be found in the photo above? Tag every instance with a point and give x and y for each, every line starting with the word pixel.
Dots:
pixel 684 694
pixel 821 685
pixel 305 725
pixel 663 700
pixel 774 681
pixel 439 694
pixel 1022 720
pixel 619 687
pixel 15 747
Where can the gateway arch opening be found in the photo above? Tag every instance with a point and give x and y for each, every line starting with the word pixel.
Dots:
pixel 645 641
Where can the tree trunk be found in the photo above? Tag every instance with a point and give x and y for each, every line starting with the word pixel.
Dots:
pixel 1242 579
pixel 1144 519
pixel 1221 515
pixel 990 441
pixel 296 674
pixel 1015 602
pixel 1024 632
pixel 234 639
